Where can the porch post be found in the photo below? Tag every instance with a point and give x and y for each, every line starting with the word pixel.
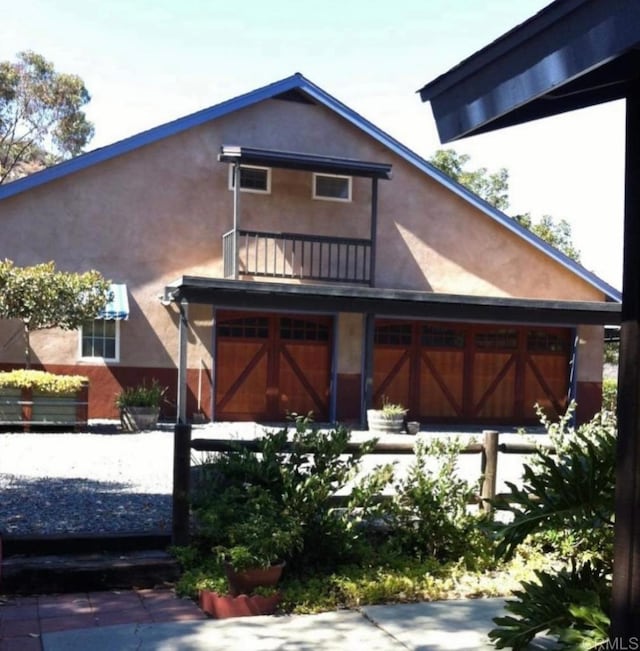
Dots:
pixel 236 215
pixel 183 333
pixel 374 230
pixel 367 372
pixel 626 573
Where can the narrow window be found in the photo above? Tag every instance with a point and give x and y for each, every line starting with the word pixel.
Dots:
pixel 100 339
pixel 252 179
pixel 331 188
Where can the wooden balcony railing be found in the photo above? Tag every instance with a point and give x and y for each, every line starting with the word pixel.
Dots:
pixel 293 255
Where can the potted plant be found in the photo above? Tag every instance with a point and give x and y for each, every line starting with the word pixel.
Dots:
pixel 258 542
pixel 140 406
pixel 389 419
pixel 253 535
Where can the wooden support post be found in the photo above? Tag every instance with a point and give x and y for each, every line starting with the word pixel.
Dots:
pixel 489 467
pixel 625 606
pixel 181 481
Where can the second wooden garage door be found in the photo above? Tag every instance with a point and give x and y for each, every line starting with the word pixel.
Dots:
pixel 471 373
pixel 268 366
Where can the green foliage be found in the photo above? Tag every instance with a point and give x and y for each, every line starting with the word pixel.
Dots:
pixel 492 187
pixel 567 501
pixel 557 233
pixel 611 352
pixel 43 382
pixel 42 297
pixel 392 408
pixel 610 395
pixel 142 395
pixel 569 605
pixel 41 121
pixel 430 511
pixel 289 480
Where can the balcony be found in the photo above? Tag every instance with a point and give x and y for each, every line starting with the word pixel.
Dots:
pixel 297 256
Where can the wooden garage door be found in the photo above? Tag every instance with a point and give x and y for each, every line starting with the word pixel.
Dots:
pixel 268 366
pixel 471 373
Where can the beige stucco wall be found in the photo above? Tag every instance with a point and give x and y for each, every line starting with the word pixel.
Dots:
pixel 150 216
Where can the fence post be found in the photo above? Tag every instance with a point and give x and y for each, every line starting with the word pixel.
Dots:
pixel 489 468
pixel 181 476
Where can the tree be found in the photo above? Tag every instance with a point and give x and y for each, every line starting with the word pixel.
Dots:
pixel 557 233
pixel 494 188
pixel 44 298
pixel 41 121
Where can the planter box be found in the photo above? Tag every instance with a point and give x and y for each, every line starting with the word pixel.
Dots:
pixel 27 408
pixel 223 606
pixel 10 405
pixel 385 423
pixel 246 581
pixel 137 419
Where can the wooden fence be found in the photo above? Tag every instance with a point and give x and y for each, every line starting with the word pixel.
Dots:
pixel 489 450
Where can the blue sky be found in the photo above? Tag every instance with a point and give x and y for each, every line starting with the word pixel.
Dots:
pixel 146 62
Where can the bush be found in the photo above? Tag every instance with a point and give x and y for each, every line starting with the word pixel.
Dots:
pixel 297 474
pixel 567 499
pixel 141 395
pixel 610 395
pixel 43 382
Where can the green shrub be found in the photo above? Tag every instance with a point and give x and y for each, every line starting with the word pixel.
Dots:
pixel 567 499
pixel 610 395
pixel 297 474
pixel 43 382
pixel 430 515
pixel 141 395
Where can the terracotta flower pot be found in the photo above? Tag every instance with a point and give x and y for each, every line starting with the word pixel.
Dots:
pixel 246 581
pixel 222 606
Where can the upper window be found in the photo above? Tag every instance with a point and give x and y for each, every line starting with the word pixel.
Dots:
pixel 252 179
pixel 100 339
pixel 331 187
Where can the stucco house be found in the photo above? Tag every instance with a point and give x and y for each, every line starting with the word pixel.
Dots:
pixel 341 268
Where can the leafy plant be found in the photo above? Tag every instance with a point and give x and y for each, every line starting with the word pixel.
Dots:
pixel 567 501
pixel 252 528
pixel 430 513
pixel 43 382
pixel 392 408
pixel 296 474
pixel 609 395
pixel 42 297
pixel 142 395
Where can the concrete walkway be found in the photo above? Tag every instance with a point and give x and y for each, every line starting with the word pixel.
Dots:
pixel 437 626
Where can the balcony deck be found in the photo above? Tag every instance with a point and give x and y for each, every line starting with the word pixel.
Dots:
pixel 298 256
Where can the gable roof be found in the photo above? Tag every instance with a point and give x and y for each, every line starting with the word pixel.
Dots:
pixel 298 88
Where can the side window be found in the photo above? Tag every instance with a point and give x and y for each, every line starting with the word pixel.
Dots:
pixel 331 188
pixel 100 339
pixel 252 179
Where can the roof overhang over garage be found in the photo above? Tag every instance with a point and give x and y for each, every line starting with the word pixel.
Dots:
pixel 570 55
pixel 388 302
pixel 305 162
pixel 574 54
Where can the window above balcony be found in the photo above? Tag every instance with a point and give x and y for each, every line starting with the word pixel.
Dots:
pixel 331 187
pixel 252 179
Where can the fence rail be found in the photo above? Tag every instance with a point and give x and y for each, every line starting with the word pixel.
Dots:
pixel 299 256
pixel 489 450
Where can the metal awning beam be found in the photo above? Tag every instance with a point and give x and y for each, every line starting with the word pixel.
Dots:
pixel 305 162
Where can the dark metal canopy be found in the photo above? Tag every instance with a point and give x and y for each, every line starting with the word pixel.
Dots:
pixel 389 302
pixel 572 54
pixel 306 162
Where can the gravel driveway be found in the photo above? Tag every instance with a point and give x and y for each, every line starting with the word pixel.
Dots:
pixel 105 481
